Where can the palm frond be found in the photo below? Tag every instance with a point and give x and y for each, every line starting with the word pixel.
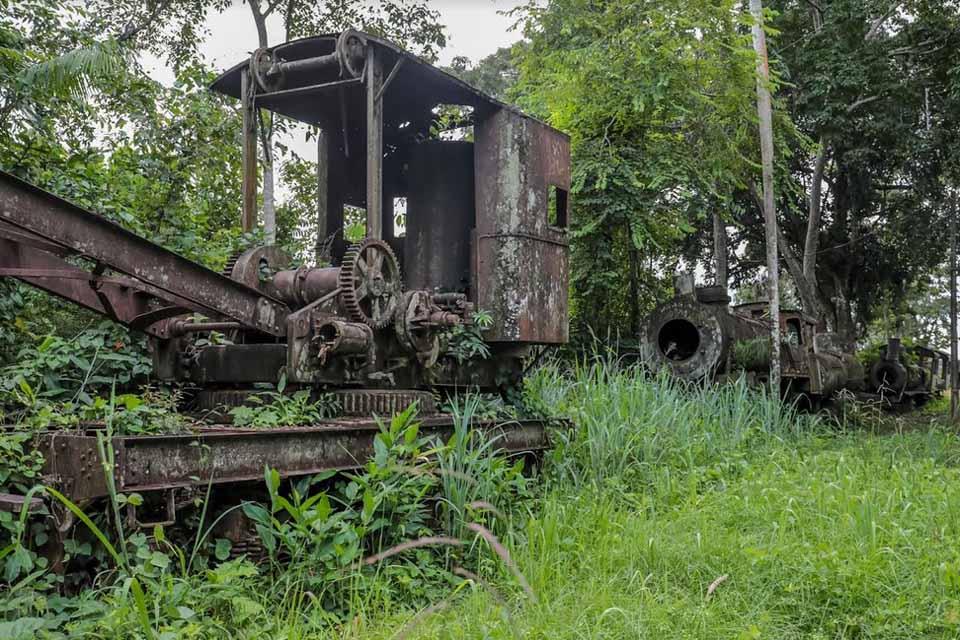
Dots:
pixel 72 73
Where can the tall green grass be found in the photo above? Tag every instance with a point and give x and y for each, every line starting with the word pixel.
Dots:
pixel 629 424
pixel 662 490
pixel 665 511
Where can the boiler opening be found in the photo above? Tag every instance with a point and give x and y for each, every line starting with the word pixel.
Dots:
pixel 679 340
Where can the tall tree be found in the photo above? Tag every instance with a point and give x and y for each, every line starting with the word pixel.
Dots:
pixel 871 82
pixel 659 97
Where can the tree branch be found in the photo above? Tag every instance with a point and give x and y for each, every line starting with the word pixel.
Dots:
pixel 131 30
pixel 270 7
pixel 861 102
pixel 878 23
pixel 808 299
pixel 259 19
pixel 813 216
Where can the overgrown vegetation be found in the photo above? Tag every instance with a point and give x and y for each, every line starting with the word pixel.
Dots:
pixel 657 492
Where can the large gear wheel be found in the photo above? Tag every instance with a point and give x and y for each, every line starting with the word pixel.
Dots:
pixel 370 284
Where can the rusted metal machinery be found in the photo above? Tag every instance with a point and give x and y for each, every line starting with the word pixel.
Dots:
pixel 368 327
pixel 697 335
pixel 903 374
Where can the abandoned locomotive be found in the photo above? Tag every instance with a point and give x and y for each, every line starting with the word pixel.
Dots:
pixel 698 335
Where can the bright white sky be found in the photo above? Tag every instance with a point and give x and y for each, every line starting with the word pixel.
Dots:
pixel 475 28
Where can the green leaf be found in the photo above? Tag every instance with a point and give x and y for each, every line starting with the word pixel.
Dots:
pixel 140 601
pixel 222 549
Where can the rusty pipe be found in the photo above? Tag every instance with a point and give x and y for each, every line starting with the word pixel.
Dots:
pixel 339 337
pixel 444 319
pixel 317 63
pixel 183 327
pixel 300 287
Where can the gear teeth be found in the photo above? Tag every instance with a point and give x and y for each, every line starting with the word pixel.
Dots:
pixel 231 263
pixel 348 293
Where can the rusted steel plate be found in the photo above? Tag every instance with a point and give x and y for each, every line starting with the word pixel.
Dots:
pixel 521 259
pixel 34 210
pixel 229 455
pixel 15 503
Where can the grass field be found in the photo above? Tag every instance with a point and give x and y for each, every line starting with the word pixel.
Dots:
pixel 806 529
pixel 668 512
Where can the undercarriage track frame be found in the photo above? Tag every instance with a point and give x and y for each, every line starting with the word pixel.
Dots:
pixel 224 455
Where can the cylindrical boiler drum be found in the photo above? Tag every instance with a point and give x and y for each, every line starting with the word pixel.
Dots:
pixel 691 339
pixel 441 213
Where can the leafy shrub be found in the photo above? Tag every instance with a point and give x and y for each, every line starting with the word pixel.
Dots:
pixel 465 341
pixel 279 409
pixel 60 368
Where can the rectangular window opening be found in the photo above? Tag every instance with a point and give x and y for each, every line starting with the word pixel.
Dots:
pixel 354 223
pixel 399 217
pixel 556 207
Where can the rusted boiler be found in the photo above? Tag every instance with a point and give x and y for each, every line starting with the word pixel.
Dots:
pixel 902 373
pixel 697 335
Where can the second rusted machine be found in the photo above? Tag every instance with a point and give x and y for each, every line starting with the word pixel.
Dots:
pixel 698 335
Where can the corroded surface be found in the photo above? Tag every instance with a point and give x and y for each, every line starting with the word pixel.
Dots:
pixel 229 455
pixel 521 259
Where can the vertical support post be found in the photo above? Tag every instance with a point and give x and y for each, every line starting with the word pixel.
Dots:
pixel 374 144
pixel 387 218
pixel 321 248
pixel 247 91
pixel 720 248
pixel 765 112
pixel 953 309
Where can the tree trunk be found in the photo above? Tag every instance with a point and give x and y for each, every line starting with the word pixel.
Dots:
pixel 634 302
pixel 953 310
pixel 765 112
pixel 720 249
pixel 812 243
pixel 269 207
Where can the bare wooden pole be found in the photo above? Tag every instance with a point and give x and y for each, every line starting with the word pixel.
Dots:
pixel 249 218
pixel 374 145
pixel 765 112
pixel 953 308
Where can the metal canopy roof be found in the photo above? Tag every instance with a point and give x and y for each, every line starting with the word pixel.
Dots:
pixel 320 97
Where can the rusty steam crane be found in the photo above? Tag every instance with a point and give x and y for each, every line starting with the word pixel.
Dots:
pixel 367 328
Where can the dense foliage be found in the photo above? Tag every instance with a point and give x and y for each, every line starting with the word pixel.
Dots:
pixel 659 98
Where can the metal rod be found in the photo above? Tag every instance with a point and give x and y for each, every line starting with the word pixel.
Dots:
pixel 393 74
pixel 262 98
pixel 374 146
pixel 343 122
pixel 249 124
pixel 182 328
pixel 321 250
